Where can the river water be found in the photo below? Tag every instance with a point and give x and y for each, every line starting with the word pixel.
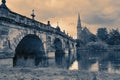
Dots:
pixel 107 61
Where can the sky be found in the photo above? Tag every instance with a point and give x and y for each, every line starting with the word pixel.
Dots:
pixel 94 13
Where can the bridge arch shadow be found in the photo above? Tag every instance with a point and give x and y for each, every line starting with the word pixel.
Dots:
pixel 59 52
pixel 29 52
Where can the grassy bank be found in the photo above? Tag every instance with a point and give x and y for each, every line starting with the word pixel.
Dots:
pixel 53 74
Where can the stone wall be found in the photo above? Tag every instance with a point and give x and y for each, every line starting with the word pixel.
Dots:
pixel 6 63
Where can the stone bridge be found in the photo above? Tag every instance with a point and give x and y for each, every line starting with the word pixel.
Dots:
pixel 27 42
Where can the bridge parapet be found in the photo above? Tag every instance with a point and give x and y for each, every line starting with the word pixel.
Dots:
pixel 25 21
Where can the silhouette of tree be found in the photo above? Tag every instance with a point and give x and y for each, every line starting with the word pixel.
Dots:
pixel 102 34
pixel 114 37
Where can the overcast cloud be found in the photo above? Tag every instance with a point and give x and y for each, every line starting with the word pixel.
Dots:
pixel 94 13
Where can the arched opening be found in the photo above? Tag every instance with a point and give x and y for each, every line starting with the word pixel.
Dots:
pixel 29 52
pixel 59 53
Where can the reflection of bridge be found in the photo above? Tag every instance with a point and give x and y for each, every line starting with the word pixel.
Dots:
pixel 31 41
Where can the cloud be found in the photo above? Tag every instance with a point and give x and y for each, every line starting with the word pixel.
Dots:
pixel 94 13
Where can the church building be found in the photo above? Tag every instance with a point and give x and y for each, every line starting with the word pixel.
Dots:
pixel 83 33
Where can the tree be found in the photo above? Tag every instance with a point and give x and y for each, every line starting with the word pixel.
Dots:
pixel 114 37
pixel 102 34
pixel 93 38
pixel 93 46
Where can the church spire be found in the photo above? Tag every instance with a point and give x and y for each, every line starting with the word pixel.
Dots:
pixel 79 21
pixel 79 27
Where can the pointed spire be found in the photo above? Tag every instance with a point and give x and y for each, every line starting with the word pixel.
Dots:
pixel 79 27
pixel 79 21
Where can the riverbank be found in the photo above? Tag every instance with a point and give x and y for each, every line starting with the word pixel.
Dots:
pixel 53 74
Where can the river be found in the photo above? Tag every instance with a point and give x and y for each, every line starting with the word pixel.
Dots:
pixel 103 61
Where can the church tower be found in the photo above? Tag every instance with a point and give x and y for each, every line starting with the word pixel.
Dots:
pixel 79 27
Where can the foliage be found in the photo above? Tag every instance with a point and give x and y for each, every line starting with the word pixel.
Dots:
pixel 93 38
pixel 114 37
pixel 111 38
pixel 97 46
pixel 102 34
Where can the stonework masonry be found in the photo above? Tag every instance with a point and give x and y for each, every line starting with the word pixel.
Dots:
pixel 14 27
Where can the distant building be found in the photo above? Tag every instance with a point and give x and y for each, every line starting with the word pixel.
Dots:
pixel 83 34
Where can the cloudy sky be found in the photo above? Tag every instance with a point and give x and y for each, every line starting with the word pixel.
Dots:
pixel 94 13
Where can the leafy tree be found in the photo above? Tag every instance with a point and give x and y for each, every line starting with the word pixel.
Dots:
pixel 114 37
pixel 97 46
pixel 102 34
pixel 92 38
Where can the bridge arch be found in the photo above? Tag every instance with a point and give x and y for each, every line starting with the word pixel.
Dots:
pixel 29 52
pixel 59 52
pixel 58 44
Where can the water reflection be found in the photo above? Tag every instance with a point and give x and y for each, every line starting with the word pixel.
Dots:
pixel 74 66
pixel 98 61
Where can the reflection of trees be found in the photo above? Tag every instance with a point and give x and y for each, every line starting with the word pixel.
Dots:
pixel 114 59
pixel 114 56
pixel 85 64
pixel 87 58
pixel 103 65
pixel 105 60
pixel 92 55
pixel 114 37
